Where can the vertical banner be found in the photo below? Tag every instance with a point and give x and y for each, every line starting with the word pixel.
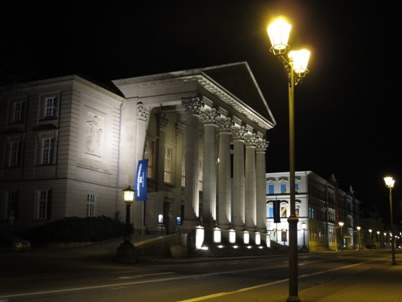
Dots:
pixel 140 182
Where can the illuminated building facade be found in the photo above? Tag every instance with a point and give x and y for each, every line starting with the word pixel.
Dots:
pixel 69 146
pixel 320 206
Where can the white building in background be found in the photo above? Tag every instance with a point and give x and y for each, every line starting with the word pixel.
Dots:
pixel 68 146
pixel 320 206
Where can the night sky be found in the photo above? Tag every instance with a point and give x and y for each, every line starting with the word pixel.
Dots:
pixel 346 109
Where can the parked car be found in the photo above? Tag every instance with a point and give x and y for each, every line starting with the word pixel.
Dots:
pixel 371 246
pixel 11 242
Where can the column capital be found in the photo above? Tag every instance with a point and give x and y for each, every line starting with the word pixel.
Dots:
pixel 238 133
pixel 193 105
pixel 163 120
pixel 225 124
pixel 180 126
pixel 209 116
pixel 250 139
pixel 143 112
pixel 261 145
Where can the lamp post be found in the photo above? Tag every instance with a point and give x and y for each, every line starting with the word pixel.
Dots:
pixel 296 68
pixel 341 225
pixel 389 182
pixel 358 235
pixel 385 240
pixel 304 227
pixel 371 240
pixel 126 249
pixel 377 239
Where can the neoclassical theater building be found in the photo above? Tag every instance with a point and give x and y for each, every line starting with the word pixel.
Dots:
pixel 69 146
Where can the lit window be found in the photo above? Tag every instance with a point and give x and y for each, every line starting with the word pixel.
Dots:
pixel 168 165
pixel 90 205
pixel 270 211
pixel 283 188
pixel 50 107
pixel 47 151
pixel 271 189
pixel 283 211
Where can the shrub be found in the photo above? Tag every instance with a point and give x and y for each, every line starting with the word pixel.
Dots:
pixel 75 229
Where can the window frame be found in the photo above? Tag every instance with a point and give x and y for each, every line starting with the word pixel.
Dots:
pixel 48 152
pixel 50 112
pixel 42 206
pixel 91 202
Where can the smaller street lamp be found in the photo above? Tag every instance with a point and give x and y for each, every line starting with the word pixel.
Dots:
pixel 358 235
pixel 341 225
pixel 126 249
pixel 371 240
pixel 389 182
pixel 378 239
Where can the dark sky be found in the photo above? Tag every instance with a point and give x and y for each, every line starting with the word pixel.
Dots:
pixel 346 109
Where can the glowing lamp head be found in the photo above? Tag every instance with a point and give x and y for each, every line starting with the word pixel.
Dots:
pixel 389 182
pixel 128 195
pixel 299 59
pixel 278 32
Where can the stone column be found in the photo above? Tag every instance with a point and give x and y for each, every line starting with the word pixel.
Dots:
pixel 191 206
pixel 261 146
pixel 224 181
pixel 208 117
pixel 250 203
pixel 162 121
pixel 180 130
pixel 238 178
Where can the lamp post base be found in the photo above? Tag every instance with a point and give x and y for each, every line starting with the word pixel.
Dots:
pixel 126 252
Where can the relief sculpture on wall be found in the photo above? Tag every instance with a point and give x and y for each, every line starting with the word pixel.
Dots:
pixel 94 138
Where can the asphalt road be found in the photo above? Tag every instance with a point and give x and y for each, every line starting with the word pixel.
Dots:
pixel 93 274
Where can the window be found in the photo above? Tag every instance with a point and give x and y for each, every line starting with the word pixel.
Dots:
pixel 296 187
pixel 51 107
pixel 18 111
pixel 168 165
pixel 283 188
pixel 15 154
pixel 90 205
pixel 270 211
pixel 297 209
pixel 47 150
pixel 283 211
pixel 9 207
pixel 42 210
pixel 149 154
pixel 271 189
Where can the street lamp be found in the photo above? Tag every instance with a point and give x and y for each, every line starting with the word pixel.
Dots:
pixel 296 68
pixel 304 227
pixel 371 240
pixel 341 225
pixel 126 249
pixel 377 239
pixel 389 182
pixel 358 234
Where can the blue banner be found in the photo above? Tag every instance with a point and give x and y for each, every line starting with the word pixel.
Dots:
pixel 140 182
